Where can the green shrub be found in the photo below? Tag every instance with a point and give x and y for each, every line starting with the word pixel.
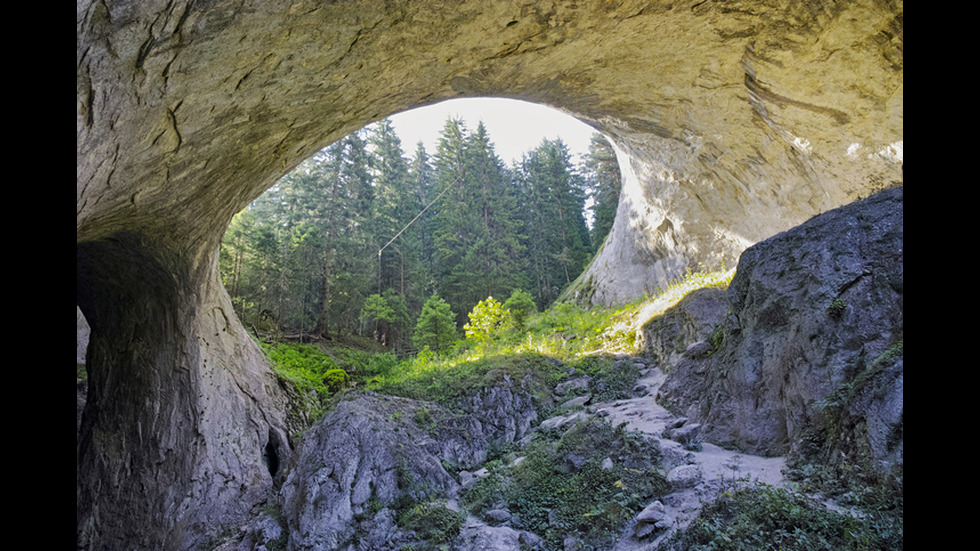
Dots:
pixel 432 522
pixel 486 320
pixel 335 379
pixel 436 326
pixel 520 305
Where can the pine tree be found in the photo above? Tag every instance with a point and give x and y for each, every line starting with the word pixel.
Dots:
pixel 436 326
pixel 603 181
pixel 478 252
pixel 552 205
pixel 392 208
pixel 349 250
pixel 420 244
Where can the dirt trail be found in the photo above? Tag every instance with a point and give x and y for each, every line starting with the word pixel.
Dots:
pixel 716 464
pixel 644 414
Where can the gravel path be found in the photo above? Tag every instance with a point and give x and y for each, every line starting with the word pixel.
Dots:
pixel 716 464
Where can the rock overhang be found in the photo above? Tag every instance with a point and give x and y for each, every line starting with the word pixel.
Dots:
pixel 732 121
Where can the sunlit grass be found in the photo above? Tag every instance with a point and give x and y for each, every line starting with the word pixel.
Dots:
pixel 545 345
pixel 566 332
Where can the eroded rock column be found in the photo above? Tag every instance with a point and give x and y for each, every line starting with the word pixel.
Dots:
pixel 181 434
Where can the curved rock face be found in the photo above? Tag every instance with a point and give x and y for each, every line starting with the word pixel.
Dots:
pixel 813 311
pixel 733 121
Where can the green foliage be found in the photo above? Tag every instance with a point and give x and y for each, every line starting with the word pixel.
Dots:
pixel 446 380
pixel 436 326
pixel 551 496
pixel 603 182
pixel 521 306
pixel 335 379
pixel 761 517
pixel 376 308
pixel 837 308
pixel 611 380
pixel 310 370
pixel 486 320
pixel 304 257
pixel 432 522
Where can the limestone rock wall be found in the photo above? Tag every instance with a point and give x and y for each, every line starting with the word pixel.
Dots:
pixel 813 313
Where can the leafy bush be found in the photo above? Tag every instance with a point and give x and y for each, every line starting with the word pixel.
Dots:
pixel 335 379
pixel 486 320
pixel 520 305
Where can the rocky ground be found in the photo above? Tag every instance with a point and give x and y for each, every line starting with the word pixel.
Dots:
pixel 698 469
pixel 702 468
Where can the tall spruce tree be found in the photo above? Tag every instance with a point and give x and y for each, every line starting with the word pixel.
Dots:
pixel 423 191
pixel 603 181
pixel 552 207
pixel 392 207
pixel 349 249
pixel 476 228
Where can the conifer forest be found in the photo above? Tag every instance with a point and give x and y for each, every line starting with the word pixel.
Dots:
pixel 364 238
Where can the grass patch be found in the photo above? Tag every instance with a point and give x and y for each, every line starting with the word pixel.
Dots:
pixel 587 483
pixel 447 380
pixel 761 517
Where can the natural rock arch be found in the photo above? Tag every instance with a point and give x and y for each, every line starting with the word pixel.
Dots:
pixel 733 121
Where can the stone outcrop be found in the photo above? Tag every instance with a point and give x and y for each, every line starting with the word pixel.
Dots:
pixel 732 121
pixel 815 314
pixel 685 329
pixel 375 453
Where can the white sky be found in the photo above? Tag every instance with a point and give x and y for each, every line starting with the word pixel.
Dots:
pixel 515 127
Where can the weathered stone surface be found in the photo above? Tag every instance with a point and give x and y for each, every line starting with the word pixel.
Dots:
pixel 732 121
pixel 685 329
pixel 365 454
pixel 684 476
pixel 573 385
pixel 181 435
pixel 372 451
pixel 812 309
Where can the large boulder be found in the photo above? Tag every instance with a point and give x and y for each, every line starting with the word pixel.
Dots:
pixel 816 319
pixel 375 454
pixel 369 453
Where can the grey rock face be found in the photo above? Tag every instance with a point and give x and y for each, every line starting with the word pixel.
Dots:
pixel 812 308
pixel 687 328
pixel 373 451
pixel 359 459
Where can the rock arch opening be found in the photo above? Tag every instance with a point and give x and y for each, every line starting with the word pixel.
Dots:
pixel 430 192
pixel 734 122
